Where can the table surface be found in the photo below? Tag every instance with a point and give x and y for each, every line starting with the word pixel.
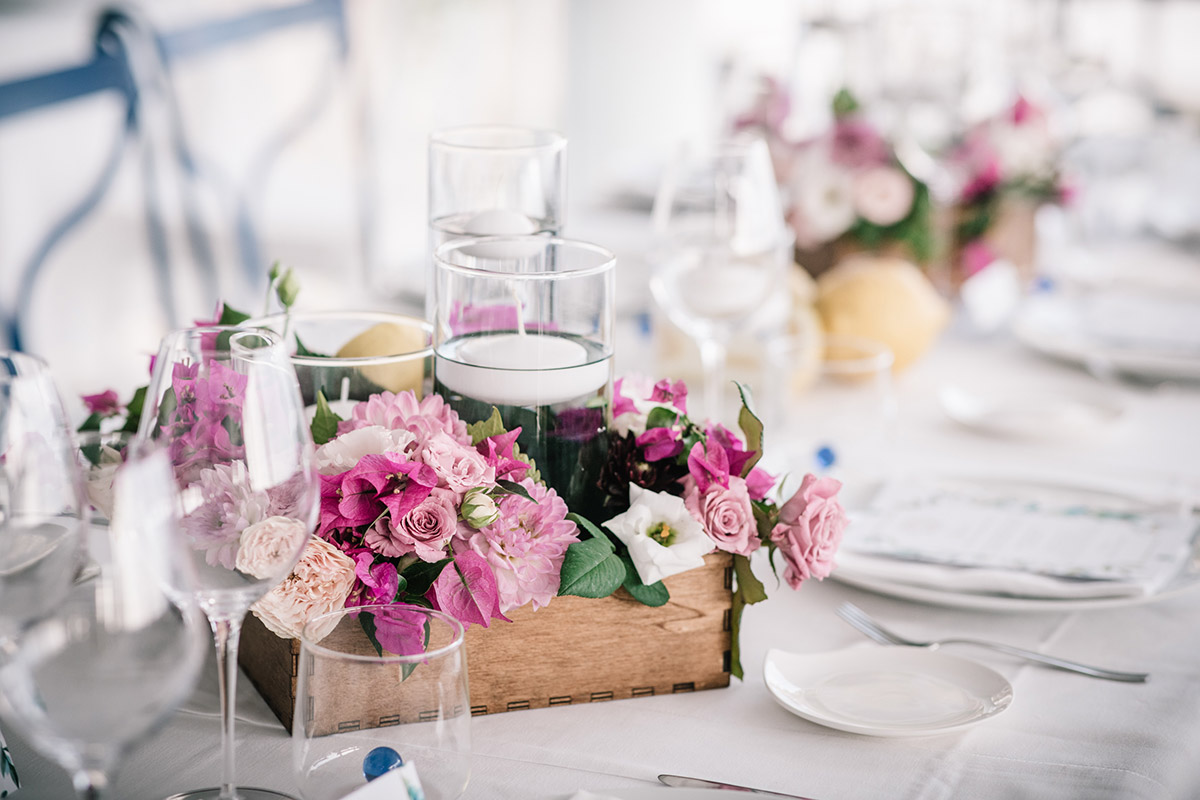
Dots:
pixel 1065 736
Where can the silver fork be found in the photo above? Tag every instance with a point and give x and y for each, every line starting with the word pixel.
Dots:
pixel 860 620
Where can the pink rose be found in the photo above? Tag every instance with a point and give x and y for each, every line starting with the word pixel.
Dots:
pixel 810 529
pixel 458 467
pixel 423 531
pixel 725 513
pixel 319 584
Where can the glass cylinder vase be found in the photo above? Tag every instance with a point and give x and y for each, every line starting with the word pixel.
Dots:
pixel 525 325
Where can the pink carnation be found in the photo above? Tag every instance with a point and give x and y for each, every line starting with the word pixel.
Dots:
pixel 403 411
pixel 525 547
pixel 459 467
pixel 318 584
pixel 724 512
pixel 810 529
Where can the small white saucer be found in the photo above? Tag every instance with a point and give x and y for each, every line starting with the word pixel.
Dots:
pixel 886 691
pixel 1027 416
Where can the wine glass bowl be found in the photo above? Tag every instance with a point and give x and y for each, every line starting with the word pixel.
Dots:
pixel 97 673
pixel 722 249
pixel 224 403
pixel 41 495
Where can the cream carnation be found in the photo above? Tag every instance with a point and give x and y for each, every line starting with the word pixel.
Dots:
pixel 319 584
pixel 269 547
pixel 883 195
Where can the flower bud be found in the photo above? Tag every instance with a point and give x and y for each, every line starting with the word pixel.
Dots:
pixel 478 508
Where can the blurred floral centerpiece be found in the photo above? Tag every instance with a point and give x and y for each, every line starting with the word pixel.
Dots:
pixel 844 191
pixel 1007 166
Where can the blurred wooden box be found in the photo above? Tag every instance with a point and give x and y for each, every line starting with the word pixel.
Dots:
pixel 574 650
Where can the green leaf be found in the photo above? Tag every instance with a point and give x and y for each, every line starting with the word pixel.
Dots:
pixel 654 594
pixel 532 473
pixel 367 620
pixel 421 575
pixel 512 487
pixel 231 316
pixel 735 648
pixel 844 104
pixel 592 530
pixel 591 569
pixel 492 426
pixel 660 417
pixel 301 350
pixel 92 423
pixel 752 429
pixel 325 421
pixel 748 586
pixel 133 410
pixel 765 516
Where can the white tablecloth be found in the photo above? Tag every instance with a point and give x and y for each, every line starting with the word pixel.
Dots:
pixel 1065 736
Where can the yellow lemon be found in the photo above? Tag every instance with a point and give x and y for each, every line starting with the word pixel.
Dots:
pixel 389 339
pixel 882 298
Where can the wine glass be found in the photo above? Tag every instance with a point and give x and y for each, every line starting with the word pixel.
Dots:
pixel 722 249
pixel 225 403
pixel 369 710
pixel 124 649
pixel 41 496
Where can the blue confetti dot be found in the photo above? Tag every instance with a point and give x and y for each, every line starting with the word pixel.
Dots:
pixel 379 761
pixel 1044 283
pixel 826 458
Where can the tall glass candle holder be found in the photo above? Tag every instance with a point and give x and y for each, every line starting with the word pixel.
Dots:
pixel 495 180
pixel 525 324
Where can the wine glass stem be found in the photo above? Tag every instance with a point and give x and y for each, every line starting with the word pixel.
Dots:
pixel 90 784
pixel 712 361
pixel 227 631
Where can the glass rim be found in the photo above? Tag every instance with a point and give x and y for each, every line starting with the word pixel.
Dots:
pixel 12 370
pixel 273 339
pixel 354 361
pixel 606 265
pixel 874 355
pixel 458 138
pixel 313 646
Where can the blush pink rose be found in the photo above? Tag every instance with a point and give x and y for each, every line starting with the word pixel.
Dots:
pixel 268 548
pixel 810 529
pixel 423 531
pixel 458 467
pixel 725 513
pixel 320 583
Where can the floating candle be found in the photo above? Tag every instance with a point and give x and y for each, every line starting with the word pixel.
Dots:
pixel 521 370
pixel 502 222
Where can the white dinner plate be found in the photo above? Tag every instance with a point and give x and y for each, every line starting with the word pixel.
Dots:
pixel 886 691
pixel 1021 415
pixel 1052 327
pixel 1046 486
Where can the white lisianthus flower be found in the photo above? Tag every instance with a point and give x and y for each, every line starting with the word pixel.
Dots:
pixel 883 195
pixel 343 452
pixel 822 196
pixel 662 536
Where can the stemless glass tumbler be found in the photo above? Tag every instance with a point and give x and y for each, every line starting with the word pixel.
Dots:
pixel 363 711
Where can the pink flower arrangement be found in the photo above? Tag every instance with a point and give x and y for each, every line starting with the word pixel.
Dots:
pixel 423 511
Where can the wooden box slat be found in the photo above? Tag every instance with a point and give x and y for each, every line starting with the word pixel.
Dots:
pixel 575 650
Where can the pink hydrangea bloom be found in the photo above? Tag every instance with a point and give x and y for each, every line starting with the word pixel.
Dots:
pixel 403 411
pixel 526 546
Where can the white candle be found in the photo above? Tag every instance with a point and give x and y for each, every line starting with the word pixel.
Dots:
pixel 501 222
pixel 515 370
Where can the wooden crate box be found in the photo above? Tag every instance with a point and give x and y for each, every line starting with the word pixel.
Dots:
pixel 574 650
